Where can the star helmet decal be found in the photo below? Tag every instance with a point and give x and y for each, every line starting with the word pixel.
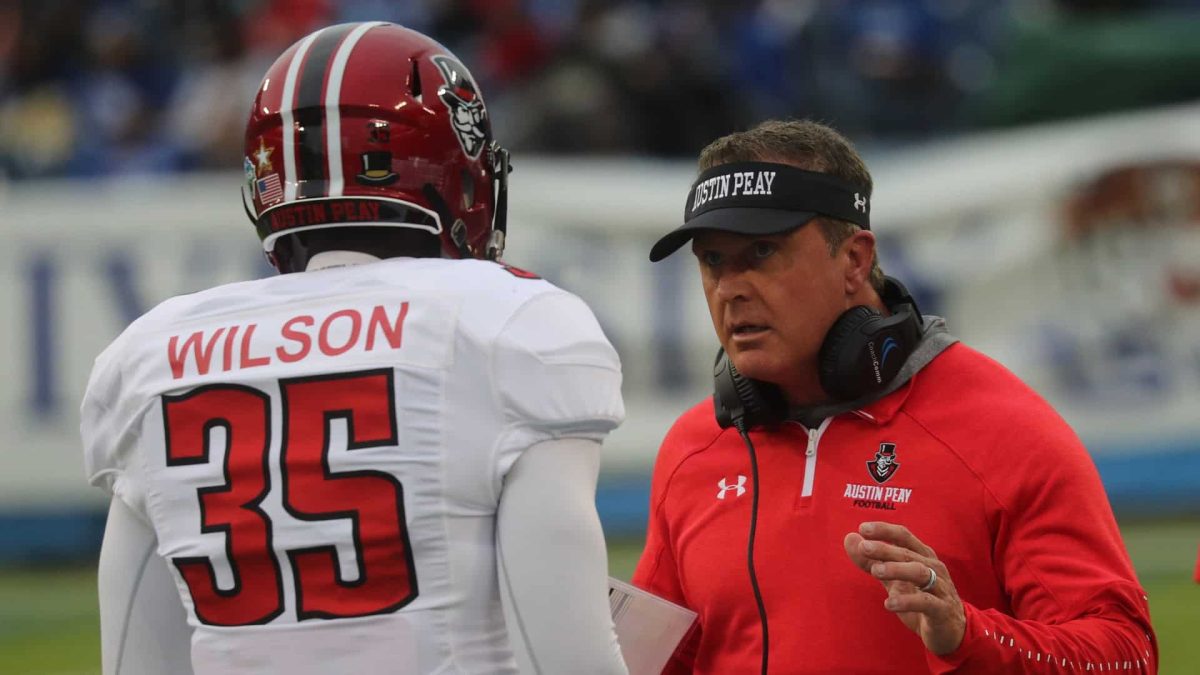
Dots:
pixel 262 158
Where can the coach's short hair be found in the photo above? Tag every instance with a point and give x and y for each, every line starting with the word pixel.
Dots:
pixel 806 145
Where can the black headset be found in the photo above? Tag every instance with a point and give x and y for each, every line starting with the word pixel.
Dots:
pixel 862 353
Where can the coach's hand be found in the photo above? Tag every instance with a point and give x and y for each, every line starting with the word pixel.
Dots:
pixel 903 564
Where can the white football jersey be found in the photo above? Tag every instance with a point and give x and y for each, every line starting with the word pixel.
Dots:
pixel 321 454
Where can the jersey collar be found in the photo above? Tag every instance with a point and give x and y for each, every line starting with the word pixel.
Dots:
pixel 326 259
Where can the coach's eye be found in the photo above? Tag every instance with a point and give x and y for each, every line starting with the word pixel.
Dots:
pixel 764 249
pixel 710 258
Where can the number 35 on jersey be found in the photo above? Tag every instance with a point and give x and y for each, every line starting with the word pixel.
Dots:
pixel 381 576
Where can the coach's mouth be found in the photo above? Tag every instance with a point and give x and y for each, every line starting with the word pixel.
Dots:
pixel 747 330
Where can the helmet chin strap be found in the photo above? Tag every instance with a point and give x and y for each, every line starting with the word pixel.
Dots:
pixel 458 229
pixel 248 206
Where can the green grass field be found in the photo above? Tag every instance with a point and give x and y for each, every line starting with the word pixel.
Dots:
pixel 48 618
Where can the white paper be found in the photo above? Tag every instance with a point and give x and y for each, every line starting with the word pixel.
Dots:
pixel 649 628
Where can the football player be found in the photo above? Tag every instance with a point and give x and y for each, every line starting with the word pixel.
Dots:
pixel 343 468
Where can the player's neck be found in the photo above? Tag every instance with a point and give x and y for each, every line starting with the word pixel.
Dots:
pixel 327 259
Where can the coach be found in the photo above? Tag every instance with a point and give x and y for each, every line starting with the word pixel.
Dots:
pixel 865 494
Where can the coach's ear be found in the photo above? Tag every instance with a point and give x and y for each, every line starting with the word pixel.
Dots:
pixel 858 257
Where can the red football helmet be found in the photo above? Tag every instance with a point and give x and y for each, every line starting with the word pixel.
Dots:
pixel 373 124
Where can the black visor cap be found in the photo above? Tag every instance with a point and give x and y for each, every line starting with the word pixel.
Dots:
pixel 740 221
pixel 757 198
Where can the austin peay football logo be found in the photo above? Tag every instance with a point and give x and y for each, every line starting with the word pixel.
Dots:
pixel 468 117
pixel 884 466
pixel 881 468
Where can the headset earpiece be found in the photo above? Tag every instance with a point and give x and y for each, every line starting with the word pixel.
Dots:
pixel 850 322
pixel 741 399
pixel 864 350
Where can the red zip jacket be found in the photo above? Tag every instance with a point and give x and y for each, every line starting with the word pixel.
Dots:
pixel 985 473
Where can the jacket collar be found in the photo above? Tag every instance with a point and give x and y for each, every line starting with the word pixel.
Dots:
pixel 883 410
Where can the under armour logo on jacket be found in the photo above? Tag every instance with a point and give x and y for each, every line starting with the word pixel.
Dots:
pixel 725 487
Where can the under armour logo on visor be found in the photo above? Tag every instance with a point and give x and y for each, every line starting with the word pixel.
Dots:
pixel 860 203
pixel 725 487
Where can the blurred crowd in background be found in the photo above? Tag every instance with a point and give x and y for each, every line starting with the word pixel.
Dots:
pixel 105 87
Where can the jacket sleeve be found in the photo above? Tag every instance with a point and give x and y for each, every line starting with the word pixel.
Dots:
pixel 656 570
pixel 1075 602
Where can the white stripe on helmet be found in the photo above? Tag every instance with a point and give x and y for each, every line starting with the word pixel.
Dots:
pixel 290 177
pixel 333 115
